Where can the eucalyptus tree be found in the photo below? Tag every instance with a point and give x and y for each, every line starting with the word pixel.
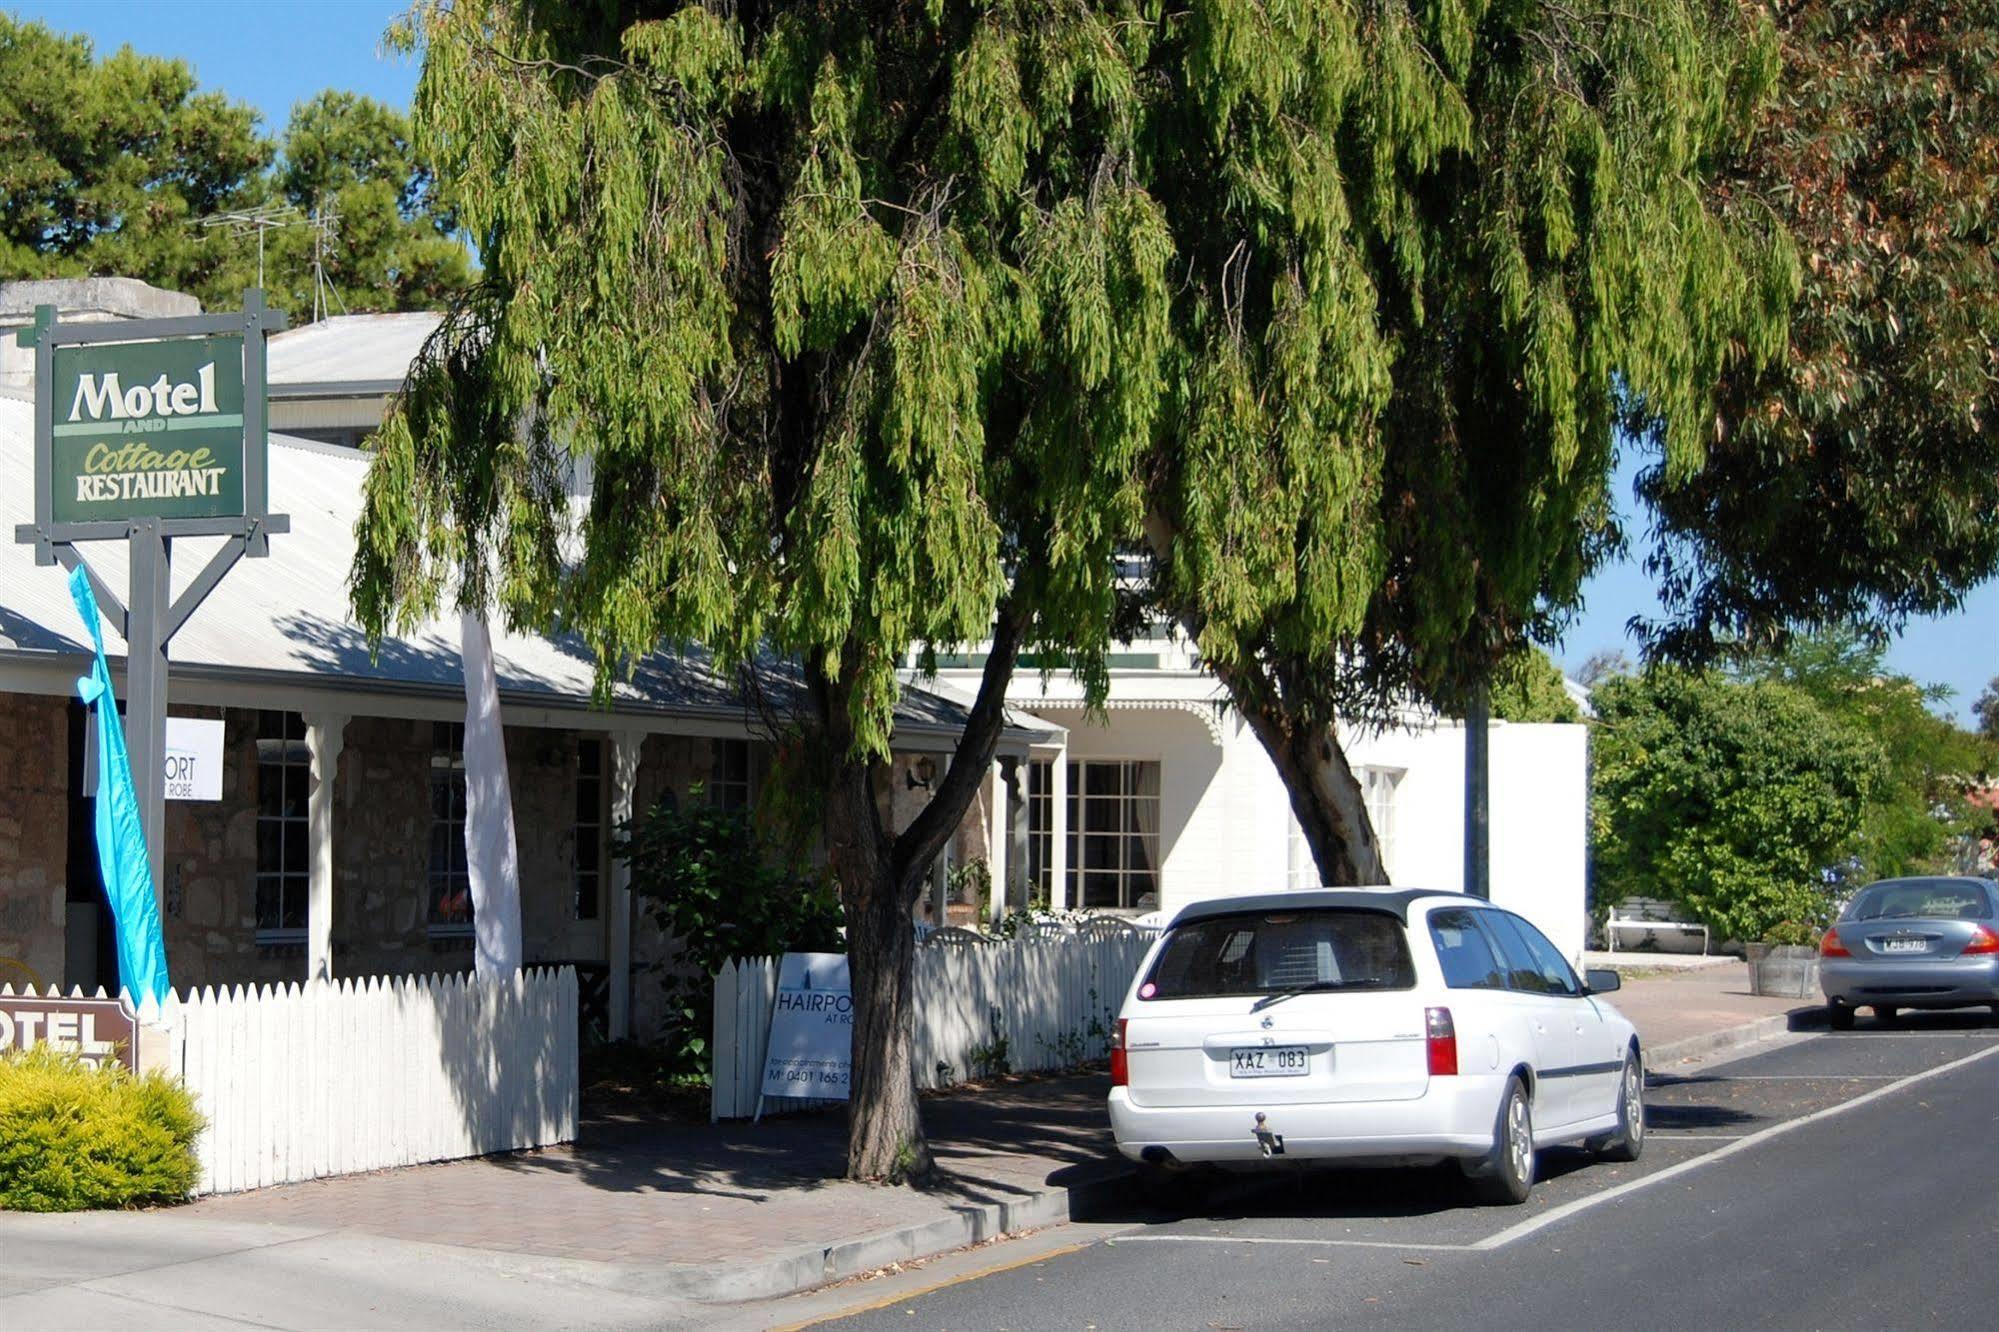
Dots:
pixel 860 313
pixel 1856 477
pixel 1430 260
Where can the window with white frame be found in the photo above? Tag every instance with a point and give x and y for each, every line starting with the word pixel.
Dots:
pixel 450 882
pixel 284 780
pixel 587 855
pixel 1114 834
pixel 1041 828
pixel 1377 787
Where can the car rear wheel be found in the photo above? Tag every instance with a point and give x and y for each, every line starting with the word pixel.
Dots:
pixel 1630 1140
pixel 1507 1175
pixel 1839 1016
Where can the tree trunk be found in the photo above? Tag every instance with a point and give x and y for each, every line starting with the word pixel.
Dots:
pixel 885 1140
pixel 880 875
pixel 1325 793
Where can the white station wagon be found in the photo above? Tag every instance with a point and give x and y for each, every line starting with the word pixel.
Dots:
pixel 1369 1027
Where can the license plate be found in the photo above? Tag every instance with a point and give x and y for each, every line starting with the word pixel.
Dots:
pixel 1268 1061
pixel 1904 945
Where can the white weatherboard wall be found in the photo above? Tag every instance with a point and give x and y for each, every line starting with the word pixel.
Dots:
pixel 300 1082
pixel 1054 999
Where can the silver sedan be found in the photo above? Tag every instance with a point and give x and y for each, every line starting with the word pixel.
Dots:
pixel 1912 943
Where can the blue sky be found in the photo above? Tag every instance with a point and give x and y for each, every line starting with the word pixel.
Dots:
pixel 275 53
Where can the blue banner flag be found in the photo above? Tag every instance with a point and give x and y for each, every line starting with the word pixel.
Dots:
pixel 121 834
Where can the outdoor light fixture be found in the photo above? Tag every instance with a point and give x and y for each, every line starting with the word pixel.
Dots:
pixel 921 773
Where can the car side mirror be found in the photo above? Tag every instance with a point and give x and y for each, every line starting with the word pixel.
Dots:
pixel 1602 980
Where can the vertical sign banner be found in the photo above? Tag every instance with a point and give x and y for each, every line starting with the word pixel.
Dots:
pixel 811 1051
pixel 122 861
pixel 147 429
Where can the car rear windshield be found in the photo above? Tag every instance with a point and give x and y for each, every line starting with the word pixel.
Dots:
pixel 1921 899
pixel 1269 952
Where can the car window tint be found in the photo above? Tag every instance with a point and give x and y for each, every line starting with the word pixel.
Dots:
pixel 1266 952
pixel 1922 899
pixel 1464 952
pixel 1556 976
pixel 1523 970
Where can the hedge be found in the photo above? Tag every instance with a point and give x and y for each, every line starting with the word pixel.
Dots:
pixel 73 1136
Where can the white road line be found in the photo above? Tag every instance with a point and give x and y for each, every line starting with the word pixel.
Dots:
pixel 1667 1135
pixel 1569 1209
pixel 1281 1240
pixel 1778 1077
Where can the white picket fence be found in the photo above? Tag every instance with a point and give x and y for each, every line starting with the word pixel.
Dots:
pixel 300 1082
pixel 1052 999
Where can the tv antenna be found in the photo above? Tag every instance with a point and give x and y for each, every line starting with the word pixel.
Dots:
pixel 242 221
pixel 324 222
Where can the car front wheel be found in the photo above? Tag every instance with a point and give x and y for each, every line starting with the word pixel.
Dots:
pixel 1630 1139
pixel 1507 1175
pixel 1839 1016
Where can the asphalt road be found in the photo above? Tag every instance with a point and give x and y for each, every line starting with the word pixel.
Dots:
pixel 1838 1181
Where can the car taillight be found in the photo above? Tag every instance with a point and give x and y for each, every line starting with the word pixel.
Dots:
pixel 1442 1039
pixel 1120 1068
pixel 1830 946
pixel 1983 940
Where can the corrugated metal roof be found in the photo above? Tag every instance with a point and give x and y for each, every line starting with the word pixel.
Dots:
pixel 286 617
pixel 349 349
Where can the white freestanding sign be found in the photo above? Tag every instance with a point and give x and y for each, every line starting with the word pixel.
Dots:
pixel 811 1050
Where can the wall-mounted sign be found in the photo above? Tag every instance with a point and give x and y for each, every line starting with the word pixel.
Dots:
pixel 193 763
pixel 811 1051
pixel 148 429
pixel 92 1029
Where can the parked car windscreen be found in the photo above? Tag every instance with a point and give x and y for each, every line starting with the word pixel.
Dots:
pixel 1268 952
pixel 1921 899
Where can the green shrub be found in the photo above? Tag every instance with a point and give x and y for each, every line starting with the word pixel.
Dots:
pixel 74 1137
pixel 715 882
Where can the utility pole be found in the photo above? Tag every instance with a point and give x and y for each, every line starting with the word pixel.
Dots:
pixel 1478 793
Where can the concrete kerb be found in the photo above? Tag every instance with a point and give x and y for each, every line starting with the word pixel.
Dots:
pixel 792 1271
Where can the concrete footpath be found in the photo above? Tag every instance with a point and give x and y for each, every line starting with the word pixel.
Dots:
pixel 645 1223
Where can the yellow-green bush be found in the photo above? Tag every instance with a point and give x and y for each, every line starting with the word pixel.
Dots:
pixel 75 1137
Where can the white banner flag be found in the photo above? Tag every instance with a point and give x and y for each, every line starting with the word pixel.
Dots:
pixel 491 860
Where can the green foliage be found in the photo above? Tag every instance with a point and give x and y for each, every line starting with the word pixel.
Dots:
pixel 973 882
pixel 1917 810
pixel 74 1137
pixel 1854 477
pixel 991 1058
pixel 1794 933
pixel 1528 687
pixel 1435 256
pixel 107 164
pixel 720 890
pixel 1735 798
pixel 783 279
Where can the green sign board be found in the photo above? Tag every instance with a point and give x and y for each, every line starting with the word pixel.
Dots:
pixel 147 430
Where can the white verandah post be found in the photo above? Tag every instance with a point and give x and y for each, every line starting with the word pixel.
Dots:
pixel 325 736
pixel 625 746
pixel 998 836
pixel 1058 822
